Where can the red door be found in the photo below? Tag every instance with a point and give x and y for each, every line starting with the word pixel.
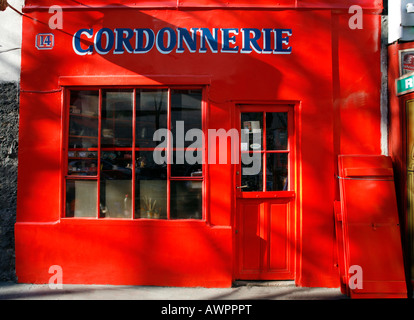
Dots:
pixel 265 193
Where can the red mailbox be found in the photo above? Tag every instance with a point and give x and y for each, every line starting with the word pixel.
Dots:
pixel 368 232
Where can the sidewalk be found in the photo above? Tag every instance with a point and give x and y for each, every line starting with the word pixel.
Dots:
pixel 274 290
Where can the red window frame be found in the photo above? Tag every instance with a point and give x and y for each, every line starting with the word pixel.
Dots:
pixel 133 149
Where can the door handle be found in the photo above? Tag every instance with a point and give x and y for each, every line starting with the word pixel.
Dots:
pixel 241 187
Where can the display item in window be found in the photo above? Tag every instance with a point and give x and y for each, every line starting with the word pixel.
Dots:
pixel 127 206
pixel 150 209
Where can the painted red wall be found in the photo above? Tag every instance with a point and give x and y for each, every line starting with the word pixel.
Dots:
pixel 333 73
pixel 372 5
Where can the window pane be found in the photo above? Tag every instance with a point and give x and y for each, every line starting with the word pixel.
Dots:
pixel 83 119
pixel 151 115
pixel 186 199
pixel 116 184
pixel 185 115
pixel 82 163
pixel 252 173
pixel 151 199
pixel 116 165
pixel 276 131
pixel 187 163
pixel 277 171
pixel 251 131
pixel 147 169
pixel 81 198
pixel 150 187
pixel 117 106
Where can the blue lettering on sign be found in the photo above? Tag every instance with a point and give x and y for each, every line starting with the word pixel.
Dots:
pixel 282 38
pixel 123 37
pixel 228 40
pixel 171 42
pixel 208 38
pixel 250 38
pixel 103 47
pixel 76 42
pixel 141 35
pixel 167 40
pixel 189 39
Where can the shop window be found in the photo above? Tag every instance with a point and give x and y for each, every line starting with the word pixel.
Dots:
pixel 113 170
pixel 265 139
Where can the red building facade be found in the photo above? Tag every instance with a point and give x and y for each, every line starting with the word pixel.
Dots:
pixel 289 87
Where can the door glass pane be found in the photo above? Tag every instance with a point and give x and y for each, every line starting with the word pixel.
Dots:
pixel 185 115
pixel 151 115
pixel 83 119
pixel 116 184
pixel 251 131
pixel 117 106
pixel 276 131
pixel 186 199
pixel 252 172
pixel 277 172
pixel 81 198
pixel 150 187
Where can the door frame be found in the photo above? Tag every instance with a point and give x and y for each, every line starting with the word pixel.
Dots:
pixel 294 175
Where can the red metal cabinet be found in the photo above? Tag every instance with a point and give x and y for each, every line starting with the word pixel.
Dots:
pixel 368 231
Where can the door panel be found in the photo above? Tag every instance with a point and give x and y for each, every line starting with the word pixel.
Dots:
pixel 265 199
pixel 278 235
pixel 251 237
pixel 265 235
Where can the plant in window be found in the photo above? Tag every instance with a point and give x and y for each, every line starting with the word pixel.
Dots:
pixel 150 208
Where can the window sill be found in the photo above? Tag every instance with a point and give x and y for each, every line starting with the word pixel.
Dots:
pixel 133 222
pixel 267 195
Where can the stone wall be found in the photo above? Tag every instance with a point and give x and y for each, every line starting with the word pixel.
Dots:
pixel 9 129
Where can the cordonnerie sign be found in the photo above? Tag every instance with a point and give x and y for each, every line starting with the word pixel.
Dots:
pixel 179 40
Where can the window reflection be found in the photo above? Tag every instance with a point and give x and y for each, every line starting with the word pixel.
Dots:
pixel 150 187
pixel 116 184
pixel 276 131
pixel 83 119
pixel 252 131
pixel 185 113
pixel 277 172
pixel 186 200
pixel 252 181
pixel 117 118
pixel 151 115
pixel 180 166
pixel 81 198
